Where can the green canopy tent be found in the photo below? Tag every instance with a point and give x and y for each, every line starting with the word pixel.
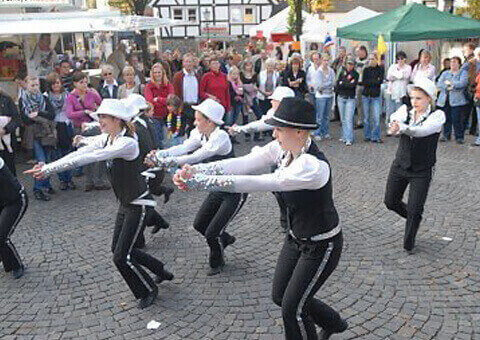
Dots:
pixel 412 22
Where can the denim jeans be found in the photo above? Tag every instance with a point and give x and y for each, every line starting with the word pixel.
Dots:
pixel 233 114
pixel 159 125
pixel 42 154
pixel 372 109
pixel 478 125
pixel 454 117
pixel 323 108
pixel 346 107
pixel 64 176
pixel 392 106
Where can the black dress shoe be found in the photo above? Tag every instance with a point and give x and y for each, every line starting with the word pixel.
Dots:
pixel 324 334
pixel 165 276
pixel 158 226
pixel 166 196
pixel 148 300
pixel 41 196
pixel 50 191
pixel 228 240
pixel 216 270
pixel 18 273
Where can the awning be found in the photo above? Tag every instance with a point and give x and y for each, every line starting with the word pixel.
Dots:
pixel 412 22
pixel 78 21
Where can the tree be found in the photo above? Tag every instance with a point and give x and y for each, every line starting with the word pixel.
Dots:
pixel 136 7
pixel 295 19
pixel 472 9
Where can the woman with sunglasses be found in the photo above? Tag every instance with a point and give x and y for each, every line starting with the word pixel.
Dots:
pixel 302 181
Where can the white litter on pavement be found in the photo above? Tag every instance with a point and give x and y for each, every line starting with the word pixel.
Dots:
pixel 153 324
pixel 447 238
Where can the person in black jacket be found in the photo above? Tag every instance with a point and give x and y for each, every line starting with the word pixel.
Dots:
pixel 37 110
pixel 346 84
pixel 372 104
pixel 302 183
pixel 9 122
pixel 109 86
pixel 295 78
pixel 419 130
pixel 13 204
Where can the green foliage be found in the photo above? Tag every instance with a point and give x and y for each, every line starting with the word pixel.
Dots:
pixel 472 9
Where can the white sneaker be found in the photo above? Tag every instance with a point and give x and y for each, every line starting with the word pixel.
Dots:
pixel 348 143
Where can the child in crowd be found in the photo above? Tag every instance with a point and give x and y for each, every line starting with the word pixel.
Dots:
pixel 175 121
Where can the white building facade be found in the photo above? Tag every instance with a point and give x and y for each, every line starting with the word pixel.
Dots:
pixel 213 19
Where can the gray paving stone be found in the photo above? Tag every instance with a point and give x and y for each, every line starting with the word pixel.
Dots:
pixel 72 290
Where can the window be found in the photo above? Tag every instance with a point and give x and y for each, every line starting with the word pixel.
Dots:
pixel 248 14
pixel 192 15
pixel 242 14
pixel 177 14
pixel 189 14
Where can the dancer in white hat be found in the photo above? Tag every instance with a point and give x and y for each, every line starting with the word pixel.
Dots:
pixel 118 146
pixel 207 143
pixel 419 130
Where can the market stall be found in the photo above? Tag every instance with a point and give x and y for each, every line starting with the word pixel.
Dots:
pixel 19 33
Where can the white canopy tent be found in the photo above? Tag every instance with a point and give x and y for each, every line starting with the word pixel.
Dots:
pixel 78 21
pixel 355 15
pixel 279 24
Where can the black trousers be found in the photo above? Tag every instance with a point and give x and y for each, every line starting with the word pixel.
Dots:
pixel 128 259
pixel 218 209
pixel 189 114
pixel 398 180
pixel 152 218
pixel 9 159
pixel 10 216
pixel 302 268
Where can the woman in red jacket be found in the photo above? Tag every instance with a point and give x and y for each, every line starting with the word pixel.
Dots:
pixel 214 85
pixel 156 93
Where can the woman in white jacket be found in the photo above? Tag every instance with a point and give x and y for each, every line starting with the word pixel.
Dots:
pixel 398 76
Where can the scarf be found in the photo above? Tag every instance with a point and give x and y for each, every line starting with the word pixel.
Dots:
pixel 33 102
pixel 57 101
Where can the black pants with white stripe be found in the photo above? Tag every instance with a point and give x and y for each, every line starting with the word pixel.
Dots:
pixel 302 268
pixel 10 216
pixel 419 183
pixel 128 259
pixel 218 209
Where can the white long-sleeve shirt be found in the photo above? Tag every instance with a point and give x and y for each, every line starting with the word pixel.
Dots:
pixel 218 143
pixel 306 172
pixel 257 125
pixel 427 124
pixel 96 149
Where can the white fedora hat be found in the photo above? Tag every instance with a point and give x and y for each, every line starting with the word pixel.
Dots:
pixel 212 110
pixel 282 92
pixel 113 107
pixel 426 85
pixel 135 103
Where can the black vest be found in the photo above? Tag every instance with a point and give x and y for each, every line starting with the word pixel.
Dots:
pixel 145 141
pixel 416 153
pixel 309 212
pixel 9 187
pixel 127 182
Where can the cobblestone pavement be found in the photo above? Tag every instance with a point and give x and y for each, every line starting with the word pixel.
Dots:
pixel 72 290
